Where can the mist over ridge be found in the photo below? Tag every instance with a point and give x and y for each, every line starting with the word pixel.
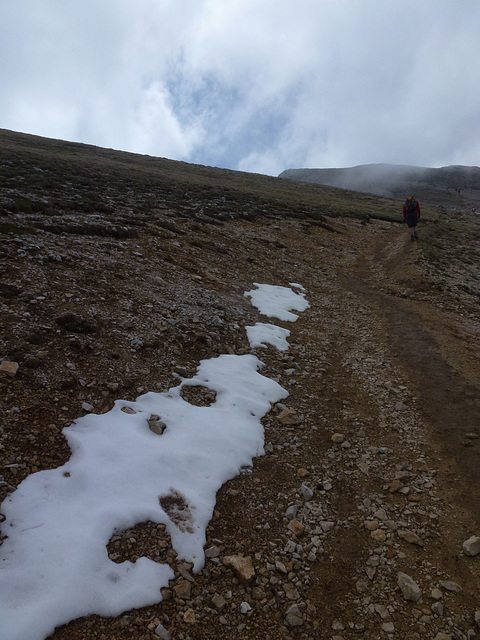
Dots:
pixel 451 186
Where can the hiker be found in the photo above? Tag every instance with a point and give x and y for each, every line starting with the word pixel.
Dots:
pixel 411 214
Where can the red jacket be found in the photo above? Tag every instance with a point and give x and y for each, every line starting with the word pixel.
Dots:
pixel 405 212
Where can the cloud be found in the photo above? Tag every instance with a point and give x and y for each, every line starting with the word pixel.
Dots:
pixel 249 85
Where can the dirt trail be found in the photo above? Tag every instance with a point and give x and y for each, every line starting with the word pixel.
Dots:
pixel 448 401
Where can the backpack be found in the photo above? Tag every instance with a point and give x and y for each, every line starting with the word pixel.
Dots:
pixel 410 205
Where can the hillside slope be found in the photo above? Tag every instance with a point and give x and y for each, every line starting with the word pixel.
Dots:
pixel 120 273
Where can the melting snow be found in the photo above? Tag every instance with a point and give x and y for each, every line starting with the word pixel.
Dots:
pixel 54 564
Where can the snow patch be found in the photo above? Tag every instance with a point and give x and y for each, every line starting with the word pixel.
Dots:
pixel 158 459
pixel 276 302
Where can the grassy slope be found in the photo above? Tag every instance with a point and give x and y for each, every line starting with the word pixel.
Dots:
pixel 45 176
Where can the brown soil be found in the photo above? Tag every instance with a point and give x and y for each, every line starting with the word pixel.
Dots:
pixel 117 317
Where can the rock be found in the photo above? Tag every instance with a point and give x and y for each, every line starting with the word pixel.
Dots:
pixel 183 590
pixel 443 636
pixel 306 492
pixel 294 616
pixel 296 527
pixel 400 406
pixel 219 602
pixel 245 608
pixel 437 607
pixel 291 592
pixel 471 547
pixel 184 570
pixel 162 633
pixel 409 588
pixel 289 417
pixel 303 473
pixel 86 406
pixel 212 552
pixel 338 438
pixel 189 616
pixel 395 486
pixel 129 410
pixel 291 512
pixel 388 627
pixel 477 617
pixel 241 566
pixel 410 537
pixel 156 425
pixel 9 368
pixel 382 611
pixel 448 585
pixel 371 525
pixel 379 535
pixel 280 567
pixel 436 594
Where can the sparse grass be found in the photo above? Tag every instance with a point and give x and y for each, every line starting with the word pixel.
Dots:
pixel 92 179
pixel 452 245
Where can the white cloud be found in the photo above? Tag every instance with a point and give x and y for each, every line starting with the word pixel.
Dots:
pixel 257 86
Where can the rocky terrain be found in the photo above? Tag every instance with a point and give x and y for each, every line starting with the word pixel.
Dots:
pixel 119 273
pixel 454 187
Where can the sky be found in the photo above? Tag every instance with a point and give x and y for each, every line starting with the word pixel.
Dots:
pixel 251 85
pixel 54 565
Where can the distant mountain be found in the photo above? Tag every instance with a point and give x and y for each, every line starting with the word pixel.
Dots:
pixel 451 187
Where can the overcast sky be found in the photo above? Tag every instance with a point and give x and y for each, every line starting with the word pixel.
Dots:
pixel 255 85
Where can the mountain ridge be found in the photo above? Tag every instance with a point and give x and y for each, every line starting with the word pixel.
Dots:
pixel 452 187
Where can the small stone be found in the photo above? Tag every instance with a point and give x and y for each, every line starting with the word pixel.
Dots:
pixel 401 406
pixel 436 594
pixel 471 547
pixel 245 608
pixel 409 588
pixel 306 492
pixel 280 567
pixel 289 417
pixel 448 585
pixel 337 625
pixel 218 602
pixel 338 438
pixel 162 633
pixel 129 411
pixel 410 537
pixel 241 567
pixel 443 636
pixel 212 552
pixel 382 611
pixel 296 527
pixel 291 592
pixel 294 617
pixel 379 535
pixel 395 486
pixel 87 407
pixel 477 617
pixel 183 590
pixel 189 616
pixel 156 425
pixel 9 368
pixel 303 473
pixel 291 512
pixel 437 607
pixel 388 627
